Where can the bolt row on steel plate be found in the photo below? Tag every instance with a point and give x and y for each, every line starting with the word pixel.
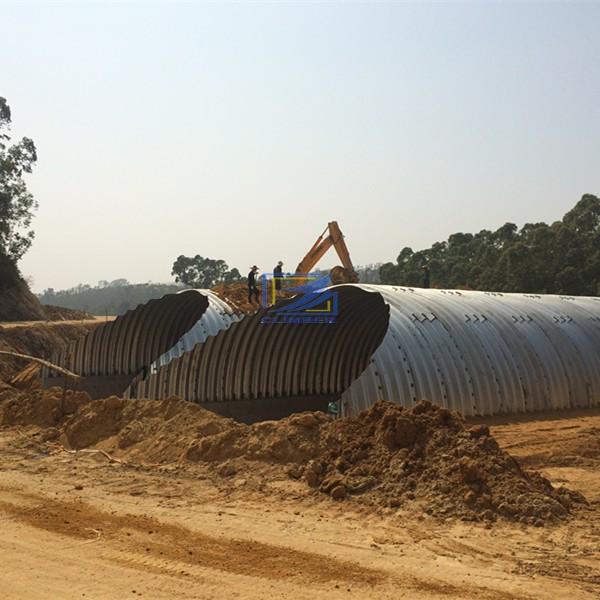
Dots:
pixel 483 353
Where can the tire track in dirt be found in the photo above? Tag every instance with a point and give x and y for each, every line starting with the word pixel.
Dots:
pixel 158 548
pixel 149 538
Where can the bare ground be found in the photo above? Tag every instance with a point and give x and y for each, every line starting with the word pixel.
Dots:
pixel 77 525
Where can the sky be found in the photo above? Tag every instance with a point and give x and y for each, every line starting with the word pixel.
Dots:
pixel 238 130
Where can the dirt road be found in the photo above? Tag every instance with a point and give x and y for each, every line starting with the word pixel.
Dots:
pixel 79 526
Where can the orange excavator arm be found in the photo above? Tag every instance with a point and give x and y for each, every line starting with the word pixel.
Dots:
pixel 344 274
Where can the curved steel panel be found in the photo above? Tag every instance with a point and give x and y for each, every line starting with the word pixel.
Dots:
pixel 253 360
pixel 160 329
pixel 217 316
pixel 482 352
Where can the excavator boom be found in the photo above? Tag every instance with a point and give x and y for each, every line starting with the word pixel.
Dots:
pixel 343 274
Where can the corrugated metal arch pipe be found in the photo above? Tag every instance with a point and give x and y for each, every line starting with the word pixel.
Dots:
pixel 483 353
pixel 253 360
pixel 479 353
pixel 475 352
pixel 112 354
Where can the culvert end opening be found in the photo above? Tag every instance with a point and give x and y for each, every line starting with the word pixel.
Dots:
pixel 257 370
pixel 110 356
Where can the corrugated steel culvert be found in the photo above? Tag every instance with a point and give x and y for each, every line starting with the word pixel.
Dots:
pixel 112 355
pixel 479 353
pixel 254 360
pixel 483 353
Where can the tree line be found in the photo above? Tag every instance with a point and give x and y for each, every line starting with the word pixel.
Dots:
pixel 108 298
pixel 560 258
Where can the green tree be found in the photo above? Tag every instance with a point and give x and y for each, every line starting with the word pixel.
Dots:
pixel 584 218
pixel 200 272
pixel 232 276
pixel 16 202
pixel 561 258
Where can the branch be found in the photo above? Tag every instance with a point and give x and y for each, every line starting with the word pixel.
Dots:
pixel 45 363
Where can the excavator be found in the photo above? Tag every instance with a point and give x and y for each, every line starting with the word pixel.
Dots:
pixel 332 236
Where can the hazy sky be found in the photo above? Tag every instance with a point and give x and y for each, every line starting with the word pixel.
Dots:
pixel 237 131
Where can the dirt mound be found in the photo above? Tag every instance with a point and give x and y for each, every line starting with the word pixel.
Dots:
pixel 391 455
pixel 47 408
pixel 39 340
pixel 293 440
pixel 236 295
pixel 386 457
pixel 142 430
pixel 61 313
pixel 145 431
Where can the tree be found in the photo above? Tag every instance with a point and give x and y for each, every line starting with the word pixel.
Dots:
pixel 16 202
pixel 232 276
pixel 561 258
pixel 203 273
pixel 118 283
pixel 585 216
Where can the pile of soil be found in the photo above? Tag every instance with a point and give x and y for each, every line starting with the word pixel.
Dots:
pixel 61 313
pixel 236 295
pixel 40 340
pixel 391 455
pixel 45 408
pixel 387 457
pixel 143 431
pixel 148 431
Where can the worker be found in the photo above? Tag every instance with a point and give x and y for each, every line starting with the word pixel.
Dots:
pixel 425 270
pixel 252 289
pixel 278 275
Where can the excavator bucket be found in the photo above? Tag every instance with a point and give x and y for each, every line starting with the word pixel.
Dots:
pixel 341 275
